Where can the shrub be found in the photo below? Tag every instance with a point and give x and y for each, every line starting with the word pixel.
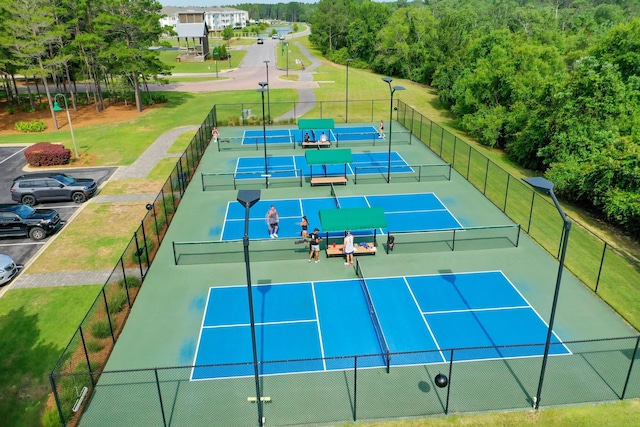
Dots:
pixel 117 302
pixel 32 126
pixel 10 109
pixel 94 346
pixel 132 282
pixel 51 418
pixel 100 329
pixel 47 154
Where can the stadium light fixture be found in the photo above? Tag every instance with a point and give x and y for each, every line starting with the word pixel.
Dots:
pixel 248 198
pixel 546 186
pixel 392 90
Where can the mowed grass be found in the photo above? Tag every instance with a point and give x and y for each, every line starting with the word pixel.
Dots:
pixel 35 324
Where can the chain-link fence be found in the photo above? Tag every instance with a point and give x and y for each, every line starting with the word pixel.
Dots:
pixel 601 370
pixel 595 371
pixel 98 332
pixel 613 275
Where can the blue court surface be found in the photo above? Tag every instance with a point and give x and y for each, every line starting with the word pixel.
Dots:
pixel 328 321
pixel 290 166
pixel 403 212
pixel 290 136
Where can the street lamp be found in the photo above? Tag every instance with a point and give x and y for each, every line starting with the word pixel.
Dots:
pixel 346 108
pixel 546 187
pixel 248 198
pixel 392 90
pixel 56 107
pixel 286 44
pixel 262 90
pixel 268 91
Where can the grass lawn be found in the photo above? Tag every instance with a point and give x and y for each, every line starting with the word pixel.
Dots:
pixel 35 326
pixel 37 323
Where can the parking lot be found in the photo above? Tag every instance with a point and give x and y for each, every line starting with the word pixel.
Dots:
pixel 12 164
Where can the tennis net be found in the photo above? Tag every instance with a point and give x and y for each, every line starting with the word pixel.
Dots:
pixel 335 196
pixel 374 316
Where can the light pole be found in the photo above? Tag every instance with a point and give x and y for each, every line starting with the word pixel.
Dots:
pixel 392 90
pixel 268 92
pixel 546 187
pixel 248 198
pixel 346 108
pixel 286 44
pixel 56 107
pixel 262 90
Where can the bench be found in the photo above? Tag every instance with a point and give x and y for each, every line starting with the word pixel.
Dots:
pixel 328 180
pixel 359 250
pixel 316 144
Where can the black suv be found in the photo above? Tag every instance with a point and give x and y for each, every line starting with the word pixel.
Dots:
pixel 23 220
pixel 43 187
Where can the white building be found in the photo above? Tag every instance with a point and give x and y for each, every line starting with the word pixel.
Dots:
pixel 217 19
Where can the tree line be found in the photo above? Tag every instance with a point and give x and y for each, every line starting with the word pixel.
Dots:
pixel 553 83
pixel 103 44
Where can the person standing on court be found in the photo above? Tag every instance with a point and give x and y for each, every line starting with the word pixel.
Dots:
pixel 304 224
pixel 314 239
pixel 272 221
pixel 214 134
pixel 381 130
pixel 348 248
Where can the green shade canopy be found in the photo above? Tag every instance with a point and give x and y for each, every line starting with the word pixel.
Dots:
pixel 312 124
pixel 328 157
pixel 352 219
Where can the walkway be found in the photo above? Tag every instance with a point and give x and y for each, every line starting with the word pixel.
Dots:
pixel 147 161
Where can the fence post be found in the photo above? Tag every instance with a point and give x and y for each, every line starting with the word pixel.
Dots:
pixel 164 418
pixel 138 253
pixel 446 408
pixel 453 156
pixel 57 399
pixel 469 163
pixel 604 251
pixel 106 309
pixel 355 387
pixel 533 198
pixel 506 194
pixel 86 355
pixel 633 358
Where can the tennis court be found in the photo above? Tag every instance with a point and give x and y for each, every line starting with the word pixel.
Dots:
pixel 403 212
pixel 310 321
pixel 293 166
pixel 291 136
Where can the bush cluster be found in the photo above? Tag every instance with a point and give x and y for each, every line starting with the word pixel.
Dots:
pixel 47 154
pixel 32 126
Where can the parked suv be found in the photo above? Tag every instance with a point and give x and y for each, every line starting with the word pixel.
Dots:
pixel 23 220
pixel 43 187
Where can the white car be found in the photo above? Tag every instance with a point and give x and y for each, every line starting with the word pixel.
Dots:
pixel 8 269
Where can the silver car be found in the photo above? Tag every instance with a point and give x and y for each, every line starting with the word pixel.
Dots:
pixel 8 269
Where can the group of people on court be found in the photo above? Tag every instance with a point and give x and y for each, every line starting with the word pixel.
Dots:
pixel 313 238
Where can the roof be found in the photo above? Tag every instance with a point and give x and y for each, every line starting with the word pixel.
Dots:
pixel 192 30
pixel 352 219
pixel 315 124
pixel 328 156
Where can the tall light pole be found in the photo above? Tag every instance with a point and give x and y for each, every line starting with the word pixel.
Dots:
pixel 392 90
pixel 248 198
pixel 56 107
pixel 286 44
pixel 346 108
pixel 268 92
pixel 262 90
pixel 546 187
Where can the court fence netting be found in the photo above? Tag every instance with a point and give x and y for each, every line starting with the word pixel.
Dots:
pixel 467 238
pixel 598 370
pixel 595 371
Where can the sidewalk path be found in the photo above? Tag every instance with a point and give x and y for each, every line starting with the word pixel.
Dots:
pixel 158 150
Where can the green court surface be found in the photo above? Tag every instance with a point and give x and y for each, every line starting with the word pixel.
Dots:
pixel 164 325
